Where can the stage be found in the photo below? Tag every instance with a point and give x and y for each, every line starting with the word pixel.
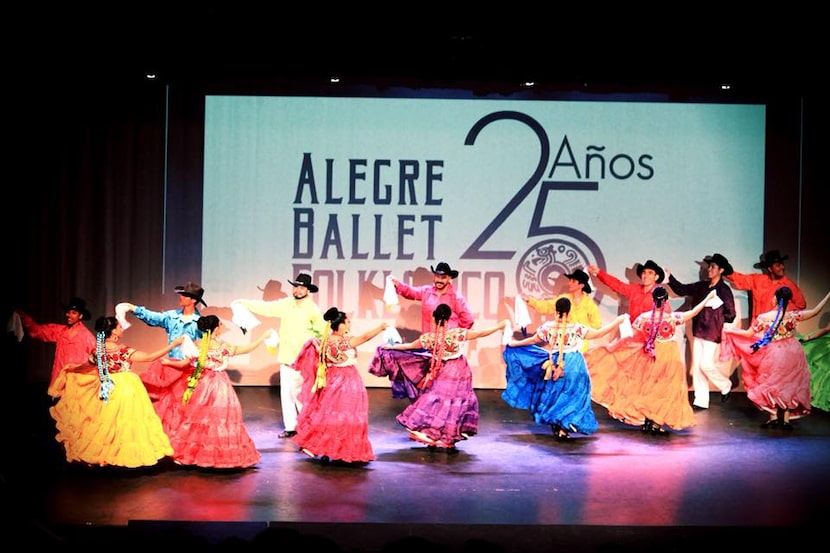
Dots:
pixel 512 487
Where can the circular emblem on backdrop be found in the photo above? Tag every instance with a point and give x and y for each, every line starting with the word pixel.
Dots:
pixel 541 270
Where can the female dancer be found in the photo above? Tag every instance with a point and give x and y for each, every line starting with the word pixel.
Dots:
pixel 817 350
pixel 774 366
pixel 334 422
pixel 202 414
pixel 554 384
pixel 641 380
pixel 446 411
pixel 105 416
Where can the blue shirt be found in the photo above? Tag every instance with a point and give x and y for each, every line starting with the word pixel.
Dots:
pixel 174 323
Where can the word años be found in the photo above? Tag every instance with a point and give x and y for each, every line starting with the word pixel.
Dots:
pixel 621 166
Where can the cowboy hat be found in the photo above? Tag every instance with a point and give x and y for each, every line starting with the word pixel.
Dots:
pixel 443 269
pixel 192 290
pixel 721 262
pixel 582 277
pixel 654 267
pixel 304 280
pixel 79 305
pixel 770 258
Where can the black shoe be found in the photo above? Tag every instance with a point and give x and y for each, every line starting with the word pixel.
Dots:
pixel 787 426
pixel 452 450
pixel 648 426
pixel 658 430
pixel 725 397
pixel 287 434
pixel 772 423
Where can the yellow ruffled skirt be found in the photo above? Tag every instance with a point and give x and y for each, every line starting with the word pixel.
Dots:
pixel 124 431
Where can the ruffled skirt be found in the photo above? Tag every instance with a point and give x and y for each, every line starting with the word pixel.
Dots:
pixel 776 376
pixel 818 361
pixel 447 411
pixel 334 421
pixel 634 386
pixel 209 430
pixel 124 431
pixel 565 401
pixel 405 370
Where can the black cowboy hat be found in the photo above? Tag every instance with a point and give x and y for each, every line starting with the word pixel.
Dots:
pixel 770 258
pixel 721 262
pixel 192 290
pixel 582 277
pixel 443 269
pixel 304 280
pixel 79 305
pixel 661 274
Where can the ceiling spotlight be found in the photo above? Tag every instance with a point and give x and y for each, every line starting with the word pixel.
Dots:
pixel 726 86
pixel 528 84
pixel 334 79
pixel 150 76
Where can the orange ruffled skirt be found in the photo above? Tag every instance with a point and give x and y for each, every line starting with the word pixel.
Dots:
pixel 633 386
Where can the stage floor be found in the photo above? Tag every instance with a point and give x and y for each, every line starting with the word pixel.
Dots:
pixel 512 485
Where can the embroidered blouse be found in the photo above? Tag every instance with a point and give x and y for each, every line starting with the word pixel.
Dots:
pixel 573 335
pixel 454 340
pixel 339 352
pixel 118 360
pixel 787 328
pixel 665 332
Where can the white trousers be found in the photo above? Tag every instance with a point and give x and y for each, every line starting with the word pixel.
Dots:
pixel 706 368
pixel 291 383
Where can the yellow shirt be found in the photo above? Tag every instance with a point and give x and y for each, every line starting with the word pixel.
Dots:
pixel 299 321
pixel 585 312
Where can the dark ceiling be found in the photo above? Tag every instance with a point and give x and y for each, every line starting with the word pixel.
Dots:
pixel 417 45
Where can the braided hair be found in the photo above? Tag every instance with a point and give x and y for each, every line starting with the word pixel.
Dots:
pixel 334 318
pixel 207 325
pixel 440 315
pixel 103 330
pixel 660 296
pixel 563 309
pixel 783 296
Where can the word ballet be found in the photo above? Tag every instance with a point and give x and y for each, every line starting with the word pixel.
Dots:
pixel 360 236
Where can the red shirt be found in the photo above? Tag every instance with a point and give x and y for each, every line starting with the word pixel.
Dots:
pixel 639 300
pixel 763 288
pixel 73 344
